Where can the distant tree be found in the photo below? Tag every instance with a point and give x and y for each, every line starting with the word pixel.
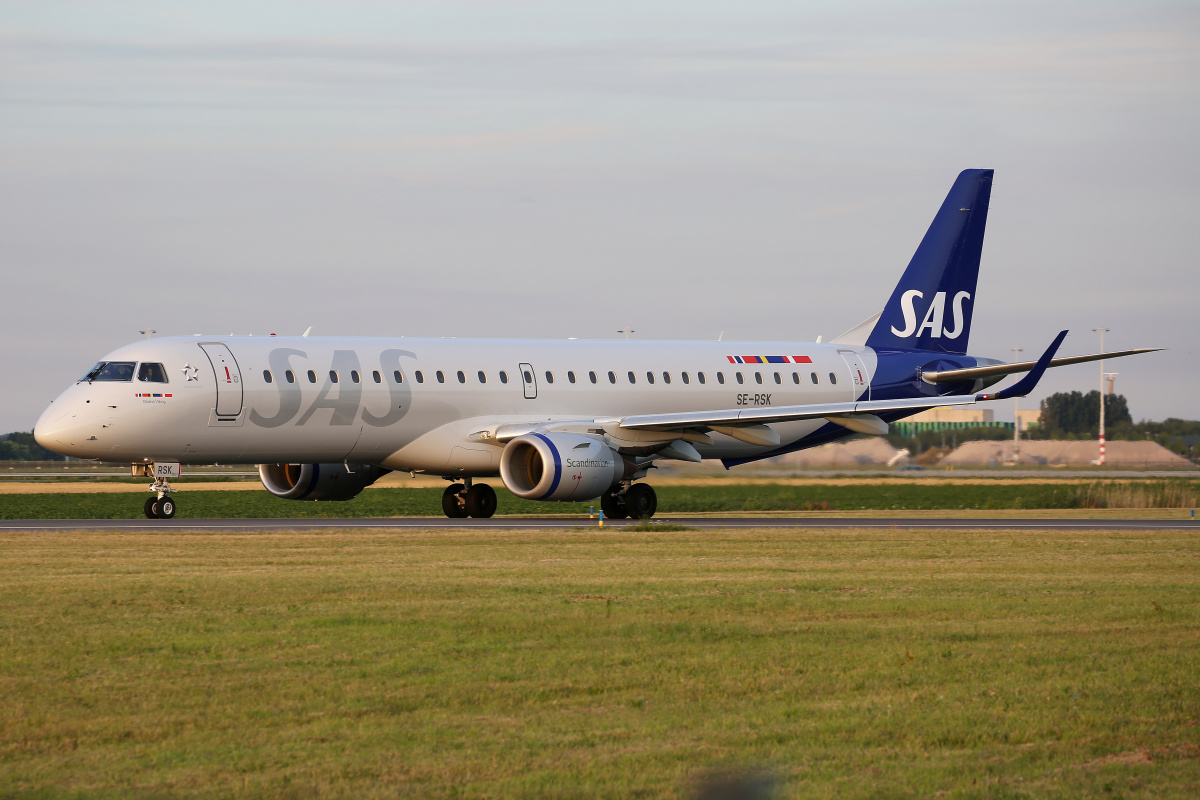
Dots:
pixel 1077 414
pixel 927 440
pixel 21 447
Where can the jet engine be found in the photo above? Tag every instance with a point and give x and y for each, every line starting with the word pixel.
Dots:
pixel 561 466
pixel 318 481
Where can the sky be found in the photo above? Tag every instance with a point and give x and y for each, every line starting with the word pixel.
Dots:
pixel 552 169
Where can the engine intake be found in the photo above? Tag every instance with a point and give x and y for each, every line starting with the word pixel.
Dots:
pixel 560 466
pixel 318 481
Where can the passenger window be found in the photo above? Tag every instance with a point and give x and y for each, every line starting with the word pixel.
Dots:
pixel 291 376
pixel 462 376
pixel 685 377
pixel 379 378
pixel 528 376
pixel 570 376
pixel 312 376
pixel 796 378
pixel 650 377
pixel 441 376
pixel 354 376
pixel 116 371
pixel 549 376
pixel 267 375
pixel 721 377
pixel 777 378
pixel 612 377
pixel 420 376
pixel 832 378
pixel 592 377
pixel 503 376
pixel 632 377
pixel 482 377
pixel 739 378
pixel 154 373
pixel 398 377
pixel 666 377
pixel 703 380
pixel 758 377
pixel 814 379
pixel 333 376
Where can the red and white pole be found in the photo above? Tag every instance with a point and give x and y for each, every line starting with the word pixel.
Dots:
pixel 1101 330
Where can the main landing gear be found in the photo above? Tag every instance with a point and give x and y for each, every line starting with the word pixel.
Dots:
pixel 469 499
pixel 636 500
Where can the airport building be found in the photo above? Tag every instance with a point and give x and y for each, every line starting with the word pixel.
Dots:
pixel 953 419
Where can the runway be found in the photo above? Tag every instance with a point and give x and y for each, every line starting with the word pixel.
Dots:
pixel 534 523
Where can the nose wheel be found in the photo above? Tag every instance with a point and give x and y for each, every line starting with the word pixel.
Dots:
pixel 159 507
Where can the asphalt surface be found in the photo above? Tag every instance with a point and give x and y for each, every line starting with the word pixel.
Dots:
pixel 527 523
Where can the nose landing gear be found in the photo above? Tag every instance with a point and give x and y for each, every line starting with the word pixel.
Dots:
pixel 161 506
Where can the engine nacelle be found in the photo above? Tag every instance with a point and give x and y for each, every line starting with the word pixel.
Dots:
pixel 318 481
pixel 560 466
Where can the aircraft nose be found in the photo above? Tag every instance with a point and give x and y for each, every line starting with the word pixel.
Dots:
pixel 53 429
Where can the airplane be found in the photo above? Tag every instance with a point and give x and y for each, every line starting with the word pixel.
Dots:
pixel 573 420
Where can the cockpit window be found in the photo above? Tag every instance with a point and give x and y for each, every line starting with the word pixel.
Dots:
pixel 153 373
pixel 111 371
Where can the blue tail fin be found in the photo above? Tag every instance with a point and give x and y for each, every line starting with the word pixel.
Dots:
pixel 931 307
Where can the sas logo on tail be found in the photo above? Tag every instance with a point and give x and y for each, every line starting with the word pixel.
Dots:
pixel 933 316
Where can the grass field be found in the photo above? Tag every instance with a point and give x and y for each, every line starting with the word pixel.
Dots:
pixel 727 498
pixel 580 663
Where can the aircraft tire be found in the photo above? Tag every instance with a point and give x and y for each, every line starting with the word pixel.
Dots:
pixel 613 506
pixel 151 511
pixel 165 508
pixel 481 501
pixel 640 501
pixel 451 506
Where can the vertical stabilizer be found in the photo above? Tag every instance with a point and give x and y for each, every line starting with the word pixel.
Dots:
pixel 932 305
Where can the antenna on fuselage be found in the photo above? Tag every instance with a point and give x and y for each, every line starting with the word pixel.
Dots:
pixel 307 331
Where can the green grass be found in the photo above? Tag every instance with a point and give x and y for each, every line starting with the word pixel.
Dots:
pixel 599 664
pixel 672 500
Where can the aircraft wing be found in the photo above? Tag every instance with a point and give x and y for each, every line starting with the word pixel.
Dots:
pixel 992 370
pixel 859 416
pixel 764 415
pixel 749 424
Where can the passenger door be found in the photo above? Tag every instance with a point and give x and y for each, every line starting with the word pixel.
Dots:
pixel 229 379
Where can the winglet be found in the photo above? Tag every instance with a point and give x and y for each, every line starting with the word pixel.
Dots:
pixel 1027 384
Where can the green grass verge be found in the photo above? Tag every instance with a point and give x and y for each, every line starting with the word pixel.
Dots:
pixel 672 499
pixel 599 664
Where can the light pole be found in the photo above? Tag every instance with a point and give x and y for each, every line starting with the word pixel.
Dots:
pixel 1017 413
pixel 1101 331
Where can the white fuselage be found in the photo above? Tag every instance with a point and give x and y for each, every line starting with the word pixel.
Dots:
pixel 420 404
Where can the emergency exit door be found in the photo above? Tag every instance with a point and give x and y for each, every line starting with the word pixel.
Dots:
pixel 229 379
pixel 858 375
pixel 529 381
